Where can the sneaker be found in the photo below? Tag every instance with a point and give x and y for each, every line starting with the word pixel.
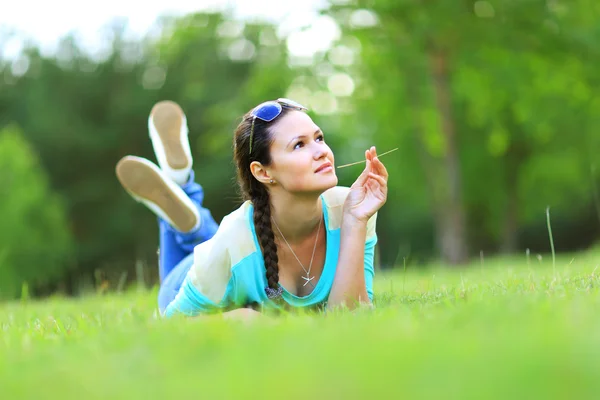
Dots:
pixel 169 134
pixel 147 184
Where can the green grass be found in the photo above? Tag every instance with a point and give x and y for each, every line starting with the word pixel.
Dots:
pixel 505 329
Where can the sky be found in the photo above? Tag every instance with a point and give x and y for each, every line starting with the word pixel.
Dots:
pixel 47 22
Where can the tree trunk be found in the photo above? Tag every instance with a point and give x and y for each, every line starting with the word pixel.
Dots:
pixel 510 229
pixel 515 157
pixel 450 212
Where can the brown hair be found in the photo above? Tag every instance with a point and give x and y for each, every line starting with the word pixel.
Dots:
pixel 253 190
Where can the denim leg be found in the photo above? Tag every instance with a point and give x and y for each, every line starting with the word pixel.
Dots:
pixel 175 245
pixel 169 287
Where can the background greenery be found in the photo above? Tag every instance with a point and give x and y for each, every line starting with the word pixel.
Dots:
pixel 492 104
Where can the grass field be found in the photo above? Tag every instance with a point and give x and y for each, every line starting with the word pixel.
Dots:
pixel 503 329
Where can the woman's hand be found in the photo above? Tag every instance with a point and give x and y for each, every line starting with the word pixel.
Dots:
pixel 369 193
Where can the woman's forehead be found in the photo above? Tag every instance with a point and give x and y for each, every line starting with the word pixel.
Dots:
pixel 293 124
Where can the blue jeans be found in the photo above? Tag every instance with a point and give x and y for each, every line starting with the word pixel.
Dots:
pixel 177 249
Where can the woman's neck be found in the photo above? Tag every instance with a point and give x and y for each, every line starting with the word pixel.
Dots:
pixel 296 216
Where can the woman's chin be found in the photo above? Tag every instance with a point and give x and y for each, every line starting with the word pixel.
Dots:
pixel 328 182
pixel 317 186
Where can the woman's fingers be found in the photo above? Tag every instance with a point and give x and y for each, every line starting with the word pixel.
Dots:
pixel 378 178
pixel 379 167
pixel 373 169
pixel 376 164
pixel 362 178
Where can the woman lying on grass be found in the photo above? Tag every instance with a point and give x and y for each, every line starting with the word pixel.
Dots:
pixel 298 239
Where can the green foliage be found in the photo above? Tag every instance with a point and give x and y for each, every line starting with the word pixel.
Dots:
pixel 522 104
pixel 520 78
pixel 35 241
pixel 82 115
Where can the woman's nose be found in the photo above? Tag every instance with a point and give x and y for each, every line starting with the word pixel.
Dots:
pixel 319 153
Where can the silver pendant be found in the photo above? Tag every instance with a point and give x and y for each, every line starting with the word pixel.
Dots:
pixel 308 279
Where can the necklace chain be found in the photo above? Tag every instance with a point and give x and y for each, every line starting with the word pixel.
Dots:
pixel 308 278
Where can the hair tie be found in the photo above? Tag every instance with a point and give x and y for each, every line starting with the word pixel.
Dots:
pixel 273 293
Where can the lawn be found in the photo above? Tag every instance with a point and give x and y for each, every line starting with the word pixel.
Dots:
pixel 503 328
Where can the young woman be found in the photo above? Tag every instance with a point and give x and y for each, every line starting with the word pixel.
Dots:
pixel 298 240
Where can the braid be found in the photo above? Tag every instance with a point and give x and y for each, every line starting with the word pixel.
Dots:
pixel 264 231
pixel 256 134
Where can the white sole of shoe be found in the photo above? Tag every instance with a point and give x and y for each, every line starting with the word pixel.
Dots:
pixel 148 185
pixel 167 125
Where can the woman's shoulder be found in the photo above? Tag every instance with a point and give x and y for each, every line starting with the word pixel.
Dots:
pixel 235 233
pixel 237 218
pixel 215 257
pixel 336 196
pixel 334 199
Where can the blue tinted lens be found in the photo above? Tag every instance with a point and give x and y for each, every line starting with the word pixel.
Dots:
pixel 267 111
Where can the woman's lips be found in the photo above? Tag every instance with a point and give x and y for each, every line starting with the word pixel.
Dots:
pixel 324 168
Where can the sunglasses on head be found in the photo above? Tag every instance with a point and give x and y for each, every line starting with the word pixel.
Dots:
pixel 269 110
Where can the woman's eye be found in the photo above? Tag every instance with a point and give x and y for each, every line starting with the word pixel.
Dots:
pixel 301 143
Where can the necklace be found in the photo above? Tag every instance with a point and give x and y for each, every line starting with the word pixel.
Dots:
pixel 307 278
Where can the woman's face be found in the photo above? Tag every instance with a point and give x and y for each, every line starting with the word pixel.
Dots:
pixel 301 160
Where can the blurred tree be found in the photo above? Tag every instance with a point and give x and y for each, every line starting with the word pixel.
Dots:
pixel 477 94
pixel 491 103
pixel 35 240
pixel 84 112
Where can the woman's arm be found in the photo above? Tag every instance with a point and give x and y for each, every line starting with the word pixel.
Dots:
pixel 367 195
pixel 349 287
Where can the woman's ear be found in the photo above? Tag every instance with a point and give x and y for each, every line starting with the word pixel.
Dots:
pixel 260 173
